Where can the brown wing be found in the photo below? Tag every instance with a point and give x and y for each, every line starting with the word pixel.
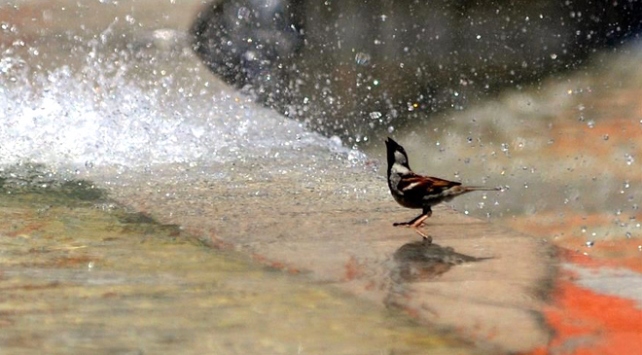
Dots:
pixel 414 182
pixel 417 188
pixel 437 182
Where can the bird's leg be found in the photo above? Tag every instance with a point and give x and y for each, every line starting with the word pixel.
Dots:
pixel 417 222
pixel 411 222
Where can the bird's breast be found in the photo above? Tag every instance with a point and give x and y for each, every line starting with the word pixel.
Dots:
pixel 407 202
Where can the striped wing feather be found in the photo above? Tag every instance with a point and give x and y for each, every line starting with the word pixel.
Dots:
pixel 413 184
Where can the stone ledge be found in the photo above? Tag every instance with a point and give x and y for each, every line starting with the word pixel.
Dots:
pixel 350 242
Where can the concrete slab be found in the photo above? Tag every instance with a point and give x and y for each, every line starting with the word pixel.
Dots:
pixel 340 232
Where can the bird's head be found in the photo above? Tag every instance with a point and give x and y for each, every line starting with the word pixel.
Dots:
pixel 396 154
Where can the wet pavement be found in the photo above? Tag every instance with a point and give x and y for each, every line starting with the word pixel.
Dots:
pixel 340 232
pixel 143 119
pixel 88 276
pixel 202 230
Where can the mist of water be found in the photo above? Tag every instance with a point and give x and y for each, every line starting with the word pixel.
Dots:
pixel 106 111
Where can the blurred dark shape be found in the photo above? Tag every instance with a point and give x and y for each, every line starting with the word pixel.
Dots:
pixel 423 260
pixel 250 44
pixel 349 67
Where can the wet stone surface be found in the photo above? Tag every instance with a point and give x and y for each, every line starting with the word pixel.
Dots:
pixel 338 230
pixel 87 275
pixel 150 125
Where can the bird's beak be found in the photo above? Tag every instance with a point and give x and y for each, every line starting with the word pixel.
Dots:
pixel 390 144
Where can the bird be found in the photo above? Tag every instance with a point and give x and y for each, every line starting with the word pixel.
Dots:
pixel 416 191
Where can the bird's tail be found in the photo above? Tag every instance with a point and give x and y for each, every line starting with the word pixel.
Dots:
pixel 481 188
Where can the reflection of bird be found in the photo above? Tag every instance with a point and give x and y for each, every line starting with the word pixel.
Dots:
pixel 415 191
pixel 423 260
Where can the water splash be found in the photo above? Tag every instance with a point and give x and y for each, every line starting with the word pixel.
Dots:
pixel 106 112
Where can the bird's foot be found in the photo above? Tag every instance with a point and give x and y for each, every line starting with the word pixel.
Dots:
pixel 415 222
pixel 424 236
pixel 427 239
pixel 416 227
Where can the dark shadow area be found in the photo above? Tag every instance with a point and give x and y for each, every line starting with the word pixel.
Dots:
pixel 34 183
pixel 424 260
pixel 420 261
pixel 34 178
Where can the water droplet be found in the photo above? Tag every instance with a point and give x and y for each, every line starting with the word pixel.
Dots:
pixel 362 58
pixel 590 243
pixel 605 137
pixel 243 13
pixel 590 124
pixel 375 115
pixel 628 235
pixel 583 229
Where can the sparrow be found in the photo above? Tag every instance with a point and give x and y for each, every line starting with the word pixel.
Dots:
pixel 416 191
